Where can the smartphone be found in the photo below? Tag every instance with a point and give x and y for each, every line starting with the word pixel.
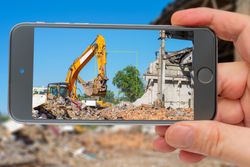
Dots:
pixel 111 74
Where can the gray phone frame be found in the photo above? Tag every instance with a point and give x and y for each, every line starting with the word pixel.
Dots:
pixel 21 56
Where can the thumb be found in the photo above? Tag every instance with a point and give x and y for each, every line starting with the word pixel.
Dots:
pixel 211 138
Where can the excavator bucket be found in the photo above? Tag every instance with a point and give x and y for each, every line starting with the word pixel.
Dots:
pixel 88 88
pixel 98 87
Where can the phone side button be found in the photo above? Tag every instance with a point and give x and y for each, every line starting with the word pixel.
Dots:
pixel 205 75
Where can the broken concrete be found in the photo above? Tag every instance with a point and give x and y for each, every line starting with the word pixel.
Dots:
pixel 54 109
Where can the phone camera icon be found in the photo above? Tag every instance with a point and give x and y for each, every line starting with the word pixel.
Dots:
pixel 21 71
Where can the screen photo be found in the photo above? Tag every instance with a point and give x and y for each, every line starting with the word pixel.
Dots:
pixel 112 74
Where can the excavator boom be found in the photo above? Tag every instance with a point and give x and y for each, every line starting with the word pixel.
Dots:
pixel 98 86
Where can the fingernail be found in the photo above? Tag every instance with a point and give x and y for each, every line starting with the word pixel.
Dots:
pixel 180 136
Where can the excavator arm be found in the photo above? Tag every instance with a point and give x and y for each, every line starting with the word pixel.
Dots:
pixel 97 87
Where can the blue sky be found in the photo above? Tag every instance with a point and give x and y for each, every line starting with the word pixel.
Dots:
pixel 98 11
pixel 56 49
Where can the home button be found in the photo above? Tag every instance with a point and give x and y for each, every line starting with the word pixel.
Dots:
pixel 205 75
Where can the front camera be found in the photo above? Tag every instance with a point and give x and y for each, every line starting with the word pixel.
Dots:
pixel 21 71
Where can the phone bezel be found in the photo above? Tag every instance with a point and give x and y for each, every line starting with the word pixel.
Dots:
pixel 21 56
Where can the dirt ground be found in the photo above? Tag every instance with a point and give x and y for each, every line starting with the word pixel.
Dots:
pixel 52 146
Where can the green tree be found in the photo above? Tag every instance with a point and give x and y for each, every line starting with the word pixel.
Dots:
pixel 110 97
pixel 129 82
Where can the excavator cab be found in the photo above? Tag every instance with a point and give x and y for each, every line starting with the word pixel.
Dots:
pixel 58 89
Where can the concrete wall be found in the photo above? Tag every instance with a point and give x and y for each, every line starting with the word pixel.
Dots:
pixel 177 88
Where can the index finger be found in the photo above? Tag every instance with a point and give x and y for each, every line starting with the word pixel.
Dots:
pixel 227 25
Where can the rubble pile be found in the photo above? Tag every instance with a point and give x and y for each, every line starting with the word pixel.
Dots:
pixel 63 109
pixel 54 146
pixel 147 112
pixel 60 109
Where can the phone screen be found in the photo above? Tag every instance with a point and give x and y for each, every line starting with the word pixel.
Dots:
pixel 112 74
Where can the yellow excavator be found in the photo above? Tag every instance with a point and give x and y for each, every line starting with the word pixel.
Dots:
pixel 97 87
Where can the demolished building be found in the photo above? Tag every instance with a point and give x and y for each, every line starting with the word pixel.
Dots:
pixel 170 77
pixel 177 81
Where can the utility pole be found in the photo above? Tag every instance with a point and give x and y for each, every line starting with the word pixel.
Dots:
pixel 161 69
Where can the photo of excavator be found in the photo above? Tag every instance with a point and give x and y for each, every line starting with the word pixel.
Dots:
pixel 152 83
pixel 96 88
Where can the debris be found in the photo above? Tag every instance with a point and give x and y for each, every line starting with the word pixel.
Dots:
pixel 56 109
pixel 117 128
pixel 66 128
pixel 39 146
pixel 82 152
pixel 12 126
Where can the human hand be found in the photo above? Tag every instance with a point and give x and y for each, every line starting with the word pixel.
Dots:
pixel 228 136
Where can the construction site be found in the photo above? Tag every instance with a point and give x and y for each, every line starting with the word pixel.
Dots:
pixel 171 99
pixel 163 92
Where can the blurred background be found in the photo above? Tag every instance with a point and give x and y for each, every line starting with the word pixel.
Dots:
pixel 37 145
